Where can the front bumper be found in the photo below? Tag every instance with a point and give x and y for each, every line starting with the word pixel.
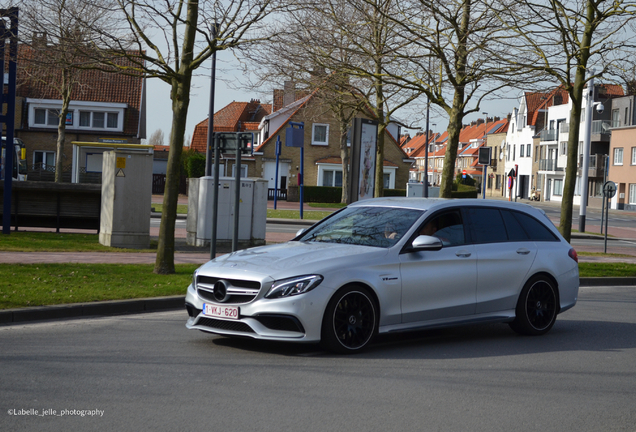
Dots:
pixel 297 318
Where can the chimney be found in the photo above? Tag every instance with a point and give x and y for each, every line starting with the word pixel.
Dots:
pixel 39 39
pixel 277 101
pixel 289 96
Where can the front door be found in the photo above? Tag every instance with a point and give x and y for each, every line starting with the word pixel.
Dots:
pixel 438 285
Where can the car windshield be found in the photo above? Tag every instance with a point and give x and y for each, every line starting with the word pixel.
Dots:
pixel 364 226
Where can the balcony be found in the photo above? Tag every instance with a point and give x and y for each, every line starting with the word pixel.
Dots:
pixel 549 135
pixel 597 165
pixel 549 165
pixel 601 127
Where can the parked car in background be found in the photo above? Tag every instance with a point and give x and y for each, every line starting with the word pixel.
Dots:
pixel 392 264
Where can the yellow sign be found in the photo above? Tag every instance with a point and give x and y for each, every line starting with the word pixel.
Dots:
pixel 121 162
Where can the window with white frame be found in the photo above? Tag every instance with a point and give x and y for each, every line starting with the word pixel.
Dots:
pixel 106 116
pixel 332 178
pixel 633 155
pixel 43 159
pixel 522 148
pixel 320 134
pixel 618 156
pixel 558 187
pixel 46 117
pixel 563 148
pixel 632 194
pixel 528 150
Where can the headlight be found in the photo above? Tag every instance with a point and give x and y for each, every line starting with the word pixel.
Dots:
pixel 194 278
pixel 293 286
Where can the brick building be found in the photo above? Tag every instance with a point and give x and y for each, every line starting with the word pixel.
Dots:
pixel 104 107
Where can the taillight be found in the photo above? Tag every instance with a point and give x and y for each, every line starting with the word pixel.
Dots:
pixel 572 254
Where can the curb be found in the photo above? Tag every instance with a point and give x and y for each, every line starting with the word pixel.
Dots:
pixel 158 304
pixel 105 308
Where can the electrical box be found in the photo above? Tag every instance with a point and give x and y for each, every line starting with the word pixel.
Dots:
pixel 416 190
pixel 126 199
pixel 252 211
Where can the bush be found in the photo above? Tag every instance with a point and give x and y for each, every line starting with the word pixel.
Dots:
pixel 193 164
pixel 464 194
pixel 322 194
pixel 394 192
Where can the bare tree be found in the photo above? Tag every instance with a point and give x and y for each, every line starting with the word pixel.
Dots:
pixel 156 139
pixel 174 39
pixel 446 54
pixel 572 41
pixel 54 52
pixel 313 53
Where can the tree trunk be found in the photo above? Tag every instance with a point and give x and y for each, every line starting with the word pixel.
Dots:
pixel 180 96
pixel 456 114
pixel 565 223
pixel 344 156
pixel 448 170
pixel 164 263
pixel 61 126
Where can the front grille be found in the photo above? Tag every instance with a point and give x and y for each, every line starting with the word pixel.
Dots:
pixel 236 282
pixel 281 322
pixel 236 326
pixel 238 291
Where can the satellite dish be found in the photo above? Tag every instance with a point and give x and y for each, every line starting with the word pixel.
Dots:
pixel 500 155
pixel 503 143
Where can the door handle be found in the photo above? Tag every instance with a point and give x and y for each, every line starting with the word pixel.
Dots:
pixel 523 251
pixel 463 254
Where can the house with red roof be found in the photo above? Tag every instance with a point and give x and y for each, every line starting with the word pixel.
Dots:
pixel 105 107
pixel 234 117
pixel 322 160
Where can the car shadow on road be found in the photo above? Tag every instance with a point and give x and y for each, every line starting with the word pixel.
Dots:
pixel 476 341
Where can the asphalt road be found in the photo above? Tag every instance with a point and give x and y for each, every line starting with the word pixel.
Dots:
pixel 147 372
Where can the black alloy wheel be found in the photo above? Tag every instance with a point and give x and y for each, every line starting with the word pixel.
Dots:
pixel 537 307
pixel 350 321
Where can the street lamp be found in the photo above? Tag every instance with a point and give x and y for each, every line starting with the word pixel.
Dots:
pixel 589 104
pixel 485 168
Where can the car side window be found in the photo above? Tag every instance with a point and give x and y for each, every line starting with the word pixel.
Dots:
pixel 447 226
pixel 515 230
pixel 536 230
pixel 486 225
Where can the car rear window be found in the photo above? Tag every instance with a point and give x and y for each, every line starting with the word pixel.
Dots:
pixel 535 230
pixel 491 225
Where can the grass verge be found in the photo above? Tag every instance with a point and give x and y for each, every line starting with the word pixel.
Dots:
pixel 607 270
pixel 295 214
pixel 181 208
pixel 24 285
pixel 35 241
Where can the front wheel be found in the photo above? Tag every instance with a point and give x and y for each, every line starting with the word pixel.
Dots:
pixel 350 321
pixel 537 307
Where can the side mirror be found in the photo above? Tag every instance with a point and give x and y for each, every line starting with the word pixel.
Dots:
pixel 425 243
pixel 300 231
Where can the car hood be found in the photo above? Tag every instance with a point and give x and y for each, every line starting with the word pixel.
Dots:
pixel 290 259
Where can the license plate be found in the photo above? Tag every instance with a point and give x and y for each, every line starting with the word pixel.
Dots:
pixel 227 312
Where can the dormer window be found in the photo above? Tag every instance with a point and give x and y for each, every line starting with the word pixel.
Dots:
pixel 88 116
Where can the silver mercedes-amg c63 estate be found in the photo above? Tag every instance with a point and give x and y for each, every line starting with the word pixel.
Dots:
pixel 392 264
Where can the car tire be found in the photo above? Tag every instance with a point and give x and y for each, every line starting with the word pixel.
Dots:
pixel 350 321
pixel 537 307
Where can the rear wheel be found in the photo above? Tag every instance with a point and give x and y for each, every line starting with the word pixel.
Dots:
pixel 350 321
pixel 537 307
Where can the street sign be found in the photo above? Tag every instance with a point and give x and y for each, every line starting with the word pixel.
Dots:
pixel 228 141
pixel 609 189
pixel 484 155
